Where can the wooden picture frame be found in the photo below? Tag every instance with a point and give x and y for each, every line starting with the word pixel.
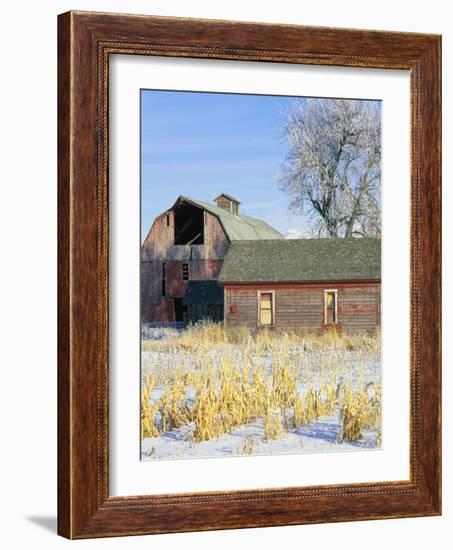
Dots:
pixel 85 42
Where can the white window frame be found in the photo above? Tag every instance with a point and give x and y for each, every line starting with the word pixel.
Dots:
pixel 335 291
pixel 272 292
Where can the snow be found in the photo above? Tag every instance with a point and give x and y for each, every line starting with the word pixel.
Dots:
pixel 321 435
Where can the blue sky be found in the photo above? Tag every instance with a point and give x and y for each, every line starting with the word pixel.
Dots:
pixel 202 144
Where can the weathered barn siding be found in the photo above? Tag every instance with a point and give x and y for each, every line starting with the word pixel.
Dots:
pixel 150 282
pixel 159 243
pixel 228 203
pixel 359 307
pixel 223 202
pixel 205 262
pixel 301 306
pixel 164 311
pixel 159 239
pixel 241 306
pixel 216 242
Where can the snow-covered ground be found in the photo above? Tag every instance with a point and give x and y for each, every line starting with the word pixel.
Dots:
pixel 321 435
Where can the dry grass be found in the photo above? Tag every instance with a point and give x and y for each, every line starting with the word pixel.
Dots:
pixel 210 334
pixel 273 423
pixel 216 380
pixel 174 411
pixel 360 412
pixel 148 416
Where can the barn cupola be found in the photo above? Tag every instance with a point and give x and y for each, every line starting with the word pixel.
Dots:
pixel 227 202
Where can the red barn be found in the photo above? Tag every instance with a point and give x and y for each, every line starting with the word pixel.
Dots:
pixel 183 254
pixel 209 261
pixel 307 284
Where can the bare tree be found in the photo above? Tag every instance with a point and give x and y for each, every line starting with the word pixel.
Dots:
pixel 333 170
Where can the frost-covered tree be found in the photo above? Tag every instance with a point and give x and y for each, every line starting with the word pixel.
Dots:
pixel 333 169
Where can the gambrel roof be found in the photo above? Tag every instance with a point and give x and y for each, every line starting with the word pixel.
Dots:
pixel 299 260
pixel 237 226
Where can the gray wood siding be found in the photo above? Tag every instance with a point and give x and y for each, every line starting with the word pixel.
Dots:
pixel 216 242
pixel 241 307
pixel 359 308
pixel 302 306
pixel 159 239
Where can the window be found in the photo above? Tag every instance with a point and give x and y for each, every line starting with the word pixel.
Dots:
pixel 185 272
pixel 266 308
pixel 164 278
pixel 168 219
pixel 330 307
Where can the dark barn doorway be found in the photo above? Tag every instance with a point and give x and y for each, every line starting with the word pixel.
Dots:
pixel 204 300
pixel 180 310
pixel 189 224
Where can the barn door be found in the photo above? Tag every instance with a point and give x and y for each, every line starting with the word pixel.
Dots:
pixel 180 310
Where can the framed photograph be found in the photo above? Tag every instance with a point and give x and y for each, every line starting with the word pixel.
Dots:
pixel 249 275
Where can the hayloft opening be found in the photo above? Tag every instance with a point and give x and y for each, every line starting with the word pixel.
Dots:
pixel 189 224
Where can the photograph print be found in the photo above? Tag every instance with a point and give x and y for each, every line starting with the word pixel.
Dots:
pixel 260 272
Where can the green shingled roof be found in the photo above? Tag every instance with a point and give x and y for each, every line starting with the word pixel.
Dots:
pixel 302 260
pixel 238 227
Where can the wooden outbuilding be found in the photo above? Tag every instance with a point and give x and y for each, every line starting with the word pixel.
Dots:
pixel 310 284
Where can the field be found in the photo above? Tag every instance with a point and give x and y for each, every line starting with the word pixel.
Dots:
pixel 209 391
